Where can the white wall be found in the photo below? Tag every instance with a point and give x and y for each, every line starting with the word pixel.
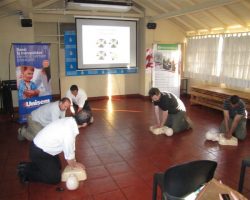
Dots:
pixel 12 32
pixel 96 85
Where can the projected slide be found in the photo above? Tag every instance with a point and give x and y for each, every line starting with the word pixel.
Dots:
pixel 105 44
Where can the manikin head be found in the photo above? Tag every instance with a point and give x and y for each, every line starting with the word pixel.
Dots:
pixel 74 90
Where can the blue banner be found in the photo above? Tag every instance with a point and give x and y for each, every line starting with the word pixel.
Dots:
pixel 33 77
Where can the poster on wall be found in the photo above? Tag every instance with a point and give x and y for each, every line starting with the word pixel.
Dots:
pixel 166 71
pixel 33 77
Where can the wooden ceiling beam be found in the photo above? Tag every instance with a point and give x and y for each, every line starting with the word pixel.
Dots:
pixel 236 17
pixel 211 15
pixel 6 2
pixel 195 8
pixel 45 4
pixel 197 21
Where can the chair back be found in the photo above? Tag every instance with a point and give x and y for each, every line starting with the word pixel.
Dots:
pixel 183 179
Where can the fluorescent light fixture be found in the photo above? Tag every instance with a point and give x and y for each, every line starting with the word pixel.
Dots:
pixel 234 26
pixel 99 5
pixel 218 29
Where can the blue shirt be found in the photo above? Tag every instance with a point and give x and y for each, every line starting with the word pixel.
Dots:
pixel 22 87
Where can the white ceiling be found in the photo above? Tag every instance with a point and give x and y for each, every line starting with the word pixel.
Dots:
pixel 191 16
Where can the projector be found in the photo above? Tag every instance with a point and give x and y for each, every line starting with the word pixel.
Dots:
pixel 100 5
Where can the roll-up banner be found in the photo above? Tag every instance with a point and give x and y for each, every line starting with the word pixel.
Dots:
pixel 33 76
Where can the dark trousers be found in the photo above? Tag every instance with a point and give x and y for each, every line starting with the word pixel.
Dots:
pixel 44 167
pixel 178 122
pixel 86 106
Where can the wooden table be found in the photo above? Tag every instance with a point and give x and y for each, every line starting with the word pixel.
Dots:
pixel 213 97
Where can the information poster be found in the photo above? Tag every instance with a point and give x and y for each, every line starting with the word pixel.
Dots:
pixel 166 74
pixel 33 77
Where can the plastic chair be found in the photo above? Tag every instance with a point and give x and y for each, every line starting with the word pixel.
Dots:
pixel 245 163
pixel 179 181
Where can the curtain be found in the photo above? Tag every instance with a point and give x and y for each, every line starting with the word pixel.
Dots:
pixel 236 60
pixel 219 59
pixel 201 57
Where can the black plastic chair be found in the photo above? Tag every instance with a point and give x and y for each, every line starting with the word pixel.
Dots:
pixel 245 163
pixel 181 180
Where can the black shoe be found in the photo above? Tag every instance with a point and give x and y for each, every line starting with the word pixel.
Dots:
pixel 22 165
pixel 22 176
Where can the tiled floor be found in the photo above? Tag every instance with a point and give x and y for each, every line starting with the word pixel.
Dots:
pixel 121 155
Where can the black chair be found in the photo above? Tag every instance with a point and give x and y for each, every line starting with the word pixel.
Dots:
pixel 181 180
pixel 245 163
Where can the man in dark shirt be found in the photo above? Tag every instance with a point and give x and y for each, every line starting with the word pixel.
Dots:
pixel 173 110
pixel 235 118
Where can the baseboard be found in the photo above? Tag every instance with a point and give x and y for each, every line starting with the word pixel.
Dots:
pixel 56 97
pixel 115 97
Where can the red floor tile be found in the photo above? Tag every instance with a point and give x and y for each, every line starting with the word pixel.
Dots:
pixel 121 155
pixel 113 195
pixel 101 185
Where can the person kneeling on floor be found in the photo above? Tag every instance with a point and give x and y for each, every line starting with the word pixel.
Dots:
pixel 45 166
pixel 173 111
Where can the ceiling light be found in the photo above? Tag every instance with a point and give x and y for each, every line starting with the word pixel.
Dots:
pixel 99 5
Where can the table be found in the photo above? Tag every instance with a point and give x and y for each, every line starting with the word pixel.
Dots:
pixel 213 97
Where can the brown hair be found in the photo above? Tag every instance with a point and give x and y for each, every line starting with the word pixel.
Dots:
pixel 153 91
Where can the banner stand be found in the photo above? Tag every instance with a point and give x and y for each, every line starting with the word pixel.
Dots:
pixel 166 71
pixel 33 77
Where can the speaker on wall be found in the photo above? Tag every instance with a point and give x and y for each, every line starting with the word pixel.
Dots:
pixel 26 22
pixel 151 25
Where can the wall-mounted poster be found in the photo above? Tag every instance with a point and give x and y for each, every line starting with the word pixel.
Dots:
pixel 166 75
pixel 33 77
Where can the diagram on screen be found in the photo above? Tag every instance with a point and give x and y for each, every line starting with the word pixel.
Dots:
pixel 106 45
pixel 101 43
pixel 101 55
pixel 113 43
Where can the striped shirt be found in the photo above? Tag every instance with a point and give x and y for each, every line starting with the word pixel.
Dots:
pixel 239 109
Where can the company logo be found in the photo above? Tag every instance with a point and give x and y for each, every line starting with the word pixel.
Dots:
pixel 30 104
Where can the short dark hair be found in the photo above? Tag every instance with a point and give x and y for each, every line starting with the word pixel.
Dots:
pixel 73 88
pixel 153 91
pixel 64 99
pixel 234 99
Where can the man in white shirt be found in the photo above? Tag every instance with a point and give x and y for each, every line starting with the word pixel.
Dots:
pixel 45 166
pixel 79 102
pixel 42 116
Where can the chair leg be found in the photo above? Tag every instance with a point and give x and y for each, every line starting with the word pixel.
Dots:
pixel 155 183
pixel 242 176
